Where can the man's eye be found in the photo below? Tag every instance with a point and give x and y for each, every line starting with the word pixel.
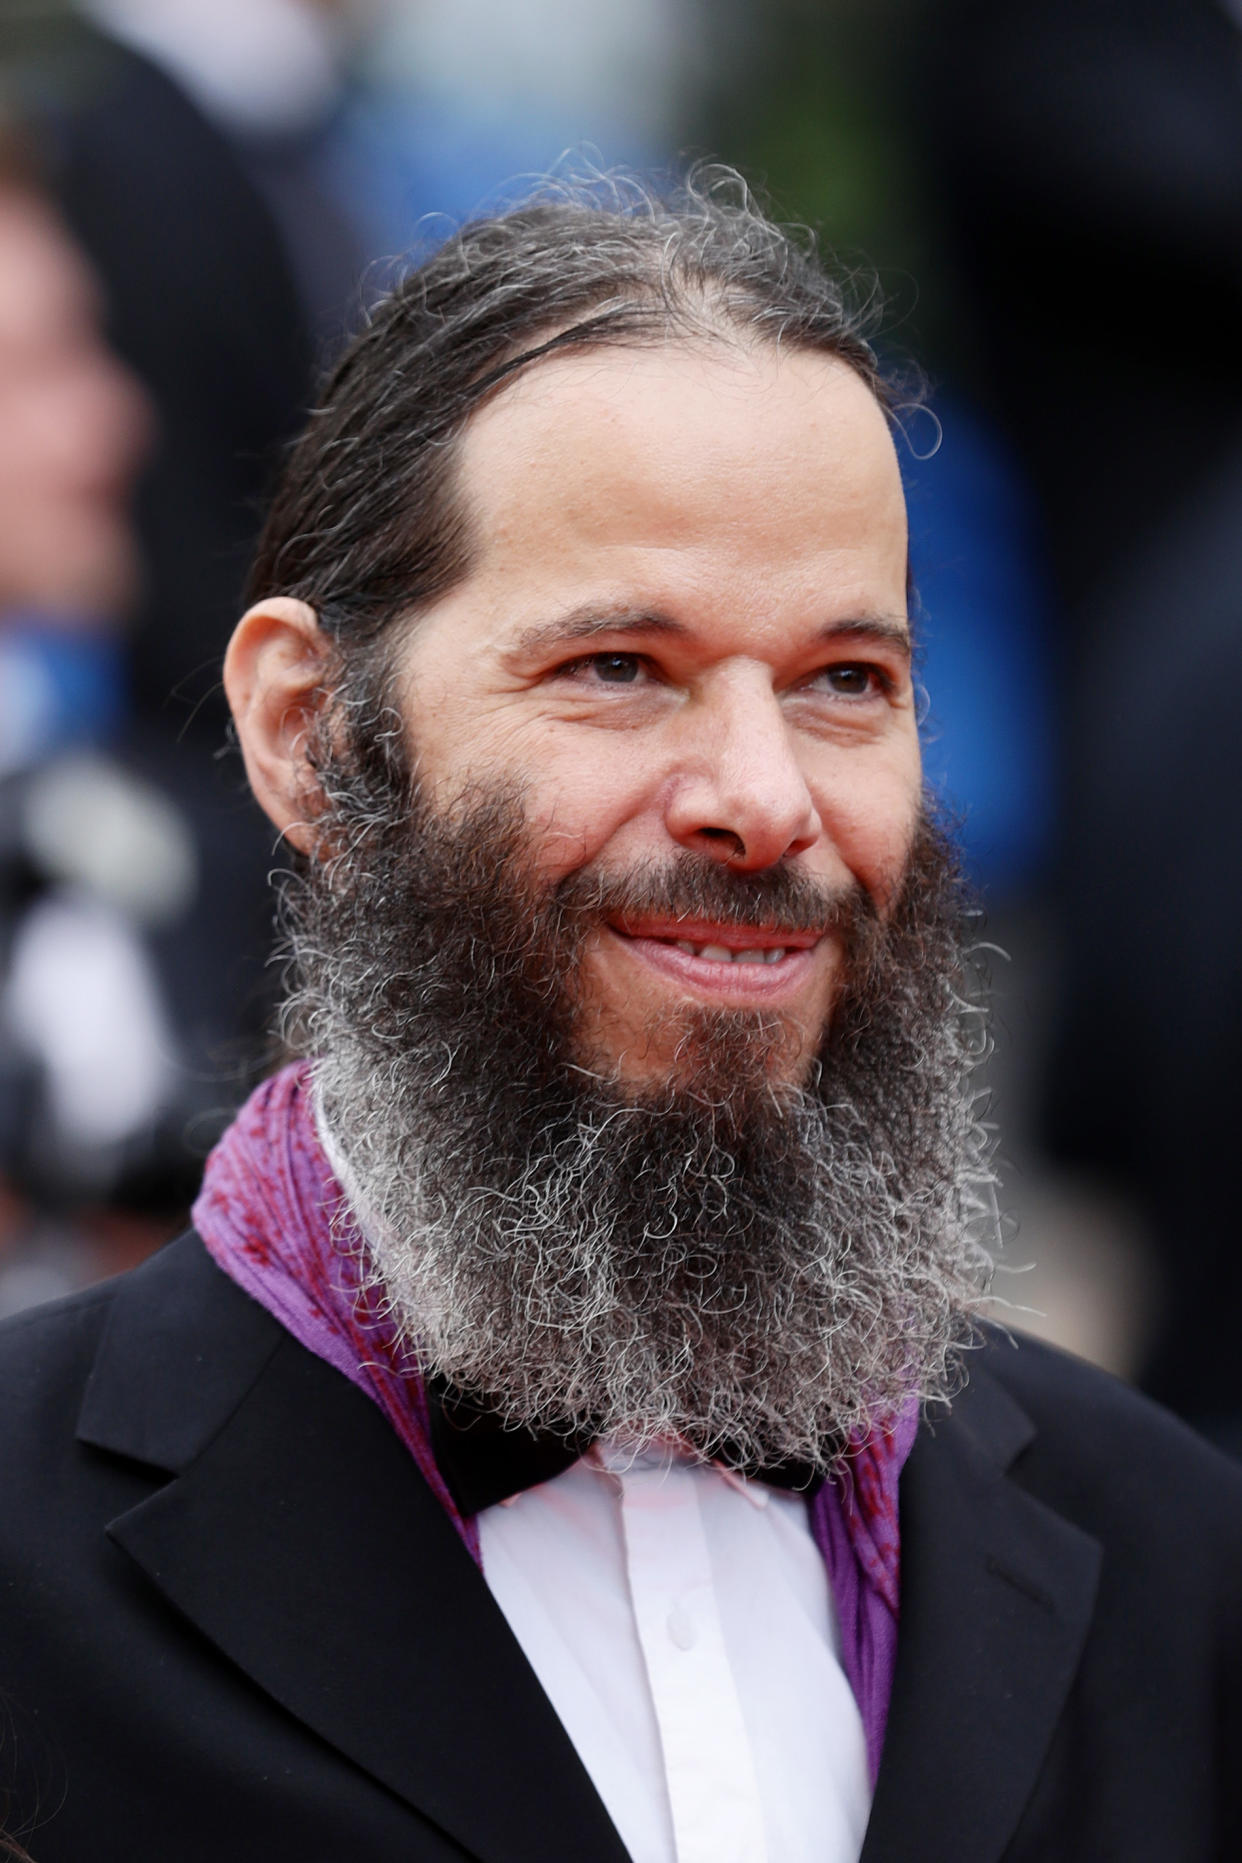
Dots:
pixel 851 681
pixel 615 669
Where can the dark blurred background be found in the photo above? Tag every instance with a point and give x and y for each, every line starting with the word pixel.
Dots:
pixel 197 198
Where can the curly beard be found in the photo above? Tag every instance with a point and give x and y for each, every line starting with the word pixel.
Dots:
pixel 752 1266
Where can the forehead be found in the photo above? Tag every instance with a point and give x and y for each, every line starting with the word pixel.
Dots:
pixel 711 461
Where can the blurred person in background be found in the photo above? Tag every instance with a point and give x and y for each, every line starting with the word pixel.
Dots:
pixel 74 429
pixel 120 1065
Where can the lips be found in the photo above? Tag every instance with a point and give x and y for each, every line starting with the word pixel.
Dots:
pixel 732 961
pixel 724 943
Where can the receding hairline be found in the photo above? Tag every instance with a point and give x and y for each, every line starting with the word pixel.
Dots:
pixel 658 325
pixel 367 525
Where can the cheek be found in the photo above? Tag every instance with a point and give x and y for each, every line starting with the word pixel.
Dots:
pixel 582 811
pixel 585 793
pixel 872 825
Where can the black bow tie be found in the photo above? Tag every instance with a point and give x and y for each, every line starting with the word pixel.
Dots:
pixel 484 1462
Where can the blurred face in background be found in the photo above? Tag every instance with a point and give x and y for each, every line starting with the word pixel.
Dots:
pixel 74 427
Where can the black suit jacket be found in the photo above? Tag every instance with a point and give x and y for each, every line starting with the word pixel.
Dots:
pixel 234 1623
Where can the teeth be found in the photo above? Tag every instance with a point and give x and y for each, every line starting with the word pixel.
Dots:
pixel 721 954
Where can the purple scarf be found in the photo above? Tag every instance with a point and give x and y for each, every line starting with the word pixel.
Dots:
pixel 275 1219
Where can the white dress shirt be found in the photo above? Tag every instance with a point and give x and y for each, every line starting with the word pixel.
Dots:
pixel 680 1620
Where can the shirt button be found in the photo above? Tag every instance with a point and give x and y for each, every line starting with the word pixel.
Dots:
pixel 681 1628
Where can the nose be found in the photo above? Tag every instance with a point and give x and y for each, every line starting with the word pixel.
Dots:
pixel 739 793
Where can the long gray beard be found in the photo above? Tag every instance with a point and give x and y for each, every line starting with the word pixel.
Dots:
pixel 752 1267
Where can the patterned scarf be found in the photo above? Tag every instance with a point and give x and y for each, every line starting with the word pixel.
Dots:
pixel 276 1220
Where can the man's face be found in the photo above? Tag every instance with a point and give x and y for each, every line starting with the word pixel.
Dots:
pixel 617 1165
pixel 685 629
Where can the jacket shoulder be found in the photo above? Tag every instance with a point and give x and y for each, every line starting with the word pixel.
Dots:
pixel 1101 1450
pixel 116 1364
pixel 48 1351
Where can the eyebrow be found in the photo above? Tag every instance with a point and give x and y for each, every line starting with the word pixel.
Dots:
pixel 582 624
pixel 586 623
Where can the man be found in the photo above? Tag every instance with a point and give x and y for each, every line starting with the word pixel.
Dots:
pixel 542 1450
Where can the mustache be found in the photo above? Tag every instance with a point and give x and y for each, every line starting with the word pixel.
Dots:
pixel 696 886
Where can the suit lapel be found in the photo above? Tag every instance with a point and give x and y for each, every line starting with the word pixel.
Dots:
pixel 997 1597
pixel 299 1538
pixel 297 1535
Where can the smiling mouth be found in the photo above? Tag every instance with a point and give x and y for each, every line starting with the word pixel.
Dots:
pixel 725 947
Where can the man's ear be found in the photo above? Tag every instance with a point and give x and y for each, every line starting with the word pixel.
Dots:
pixel 275 674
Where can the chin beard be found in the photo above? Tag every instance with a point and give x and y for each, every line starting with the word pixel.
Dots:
pixel 755 1267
